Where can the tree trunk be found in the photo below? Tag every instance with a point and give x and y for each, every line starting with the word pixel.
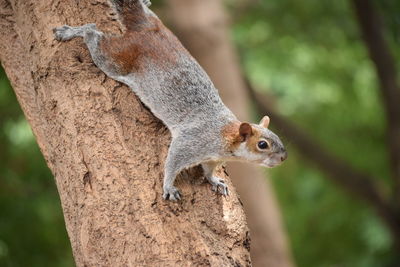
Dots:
pixel 202 27
pixel 107 151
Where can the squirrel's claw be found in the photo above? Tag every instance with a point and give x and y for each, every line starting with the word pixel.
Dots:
pixel 147 2
pixel 172 193
pixel 217 184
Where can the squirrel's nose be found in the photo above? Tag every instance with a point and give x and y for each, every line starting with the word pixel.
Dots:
pixel 283 155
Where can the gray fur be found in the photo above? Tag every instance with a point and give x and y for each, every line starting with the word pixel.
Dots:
pixel 183 97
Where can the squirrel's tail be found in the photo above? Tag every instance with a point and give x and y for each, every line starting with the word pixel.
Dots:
pixel 132 12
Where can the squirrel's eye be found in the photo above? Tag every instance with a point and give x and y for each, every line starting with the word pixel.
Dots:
pixel 262 145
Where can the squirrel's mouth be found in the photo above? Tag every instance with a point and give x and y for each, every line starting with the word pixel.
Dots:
pixel 271 163
pixel 275 159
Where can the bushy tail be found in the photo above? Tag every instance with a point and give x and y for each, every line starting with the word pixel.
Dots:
pixel 131 12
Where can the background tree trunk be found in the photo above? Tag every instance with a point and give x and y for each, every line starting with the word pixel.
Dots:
pixel 202 27
pixel 107 151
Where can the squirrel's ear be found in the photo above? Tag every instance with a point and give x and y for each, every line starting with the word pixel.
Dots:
pixel 265 122
pixel 245 130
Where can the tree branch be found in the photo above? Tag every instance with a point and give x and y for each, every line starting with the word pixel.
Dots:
pixel 372 32
pixel 359 184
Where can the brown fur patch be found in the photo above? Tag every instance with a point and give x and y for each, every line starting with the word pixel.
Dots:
pixel 133 16
pixel 252 141
pixel 231 136
pixel 233 139
pixel 151 41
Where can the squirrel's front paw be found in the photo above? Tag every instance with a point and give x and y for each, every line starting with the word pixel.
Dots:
pixel 64 33
pixel 172 193
pixel 217 184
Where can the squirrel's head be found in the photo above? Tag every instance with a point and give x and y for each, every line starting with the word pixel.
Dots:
pixel 255 143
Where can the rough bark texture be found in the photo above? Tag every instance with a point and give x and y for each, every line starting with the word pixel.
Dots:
pixel 202 27
pixel 107 151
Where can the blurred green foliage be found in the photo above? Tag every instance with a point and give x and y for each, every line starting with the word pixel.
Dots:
pixel 309 56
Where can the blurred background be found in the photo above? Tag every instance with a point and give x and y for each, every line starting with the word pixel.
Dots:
pixel 327 74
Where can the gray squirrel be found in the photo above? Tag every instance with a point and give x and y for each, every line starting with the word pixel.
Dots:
pixel 167 79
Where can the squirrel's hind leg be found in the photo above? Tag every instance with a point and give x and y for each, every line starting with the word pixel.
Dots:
pixel 216 182
pixel 93 39
pixel 65 33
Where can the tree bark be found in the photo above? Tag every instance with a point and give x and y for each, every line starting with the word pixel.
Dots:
pixel 202 27
pixel 107 151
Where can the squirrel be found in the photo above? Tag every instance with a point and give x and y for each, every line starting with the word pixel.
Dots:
pixel 149 59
